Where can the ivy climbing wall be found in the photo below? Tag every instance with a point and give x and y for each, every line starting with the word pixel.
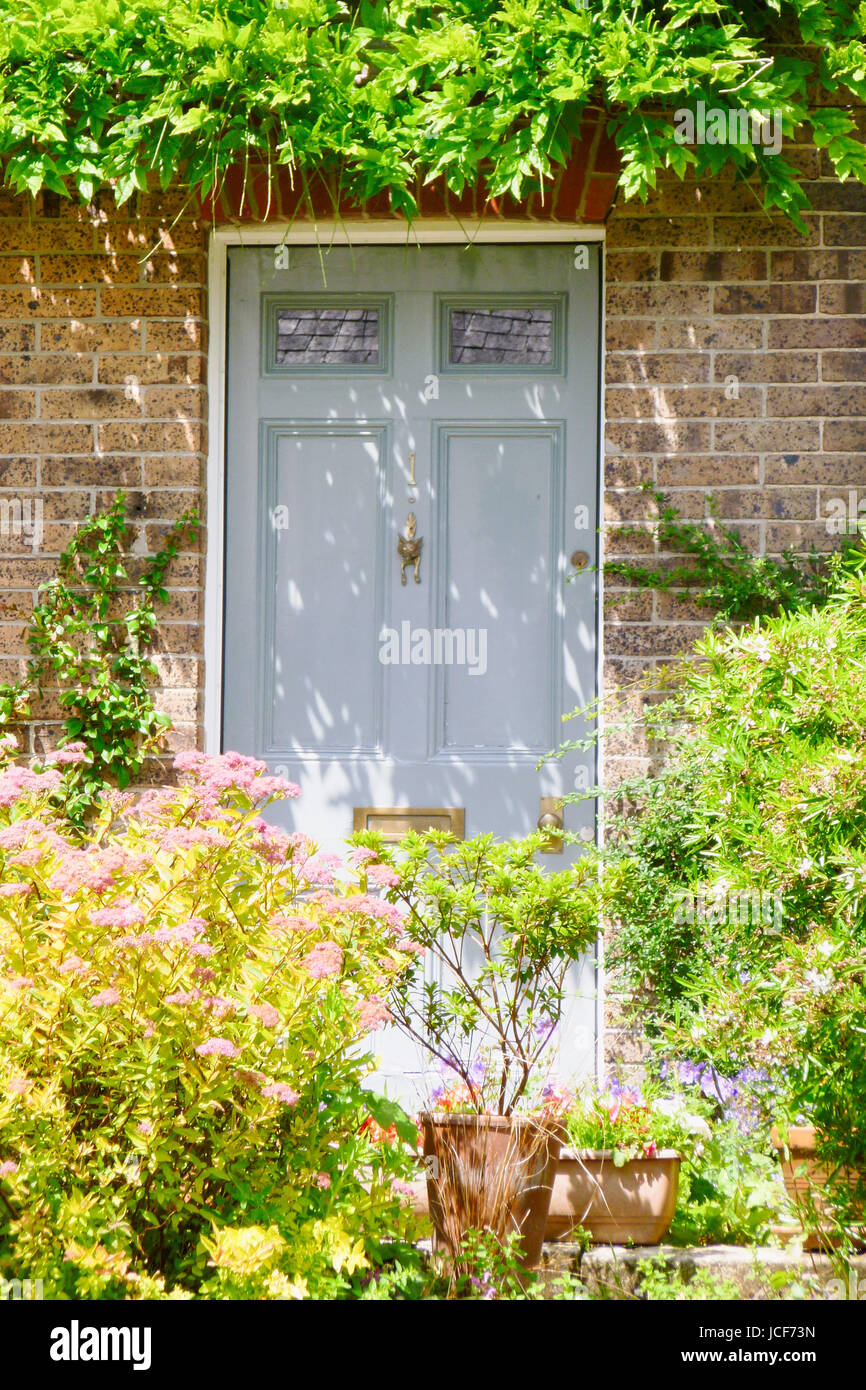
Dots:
pixel 102 368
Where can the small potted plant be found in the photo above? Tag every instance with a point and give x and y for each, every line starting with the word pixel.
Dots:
pixel 502 932
pixel 618 1176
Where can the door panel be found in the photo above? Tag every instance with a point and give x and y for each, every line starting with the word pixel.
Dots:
pixel 459 386
pixel 500 498
pixel 322 574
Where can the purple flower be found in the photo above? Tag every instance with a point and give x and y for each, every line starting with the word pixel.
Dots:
pixel 477 1070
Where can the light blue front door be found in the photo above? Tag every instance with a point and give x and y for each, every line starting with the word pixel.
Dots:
pixel 439 395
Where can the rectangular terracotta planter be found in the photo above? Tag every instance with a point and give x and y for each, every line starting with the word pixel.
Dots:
pixel 805 1178
pixel 633 1204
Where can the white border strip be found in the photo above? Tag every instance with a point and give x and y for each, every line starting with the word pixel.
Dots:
pixel 600 972
pixel 428 231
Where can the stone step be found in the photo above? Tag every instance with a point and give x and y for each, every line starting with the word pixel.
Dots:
pixel 759 1272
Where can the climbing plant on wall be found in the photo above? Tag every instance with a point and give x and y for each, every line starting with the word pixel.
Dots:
pixel 89 636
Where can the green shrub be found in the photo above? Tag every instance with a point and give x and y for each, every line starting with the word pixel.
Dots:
pixel 738 876
pixel 185 1004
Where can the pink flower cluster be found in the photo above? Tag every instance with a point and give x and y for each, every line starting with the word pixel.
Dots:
pixel 117 916
pixel 372 1014
pixel 218 1047
pixel 69 756
pixel 14 836
pixel 72 964
pixel 15 890
pixel 218 1004
pixel 184 932
pixel 183 997
pixel 361 855
pixel 278 1090
pixel 413 947
pixel 234 771
pixel 381 876
pixel 321 871
pixel 274 845
pixel 27 858
pixel 365 903
pixel 155 803
pixel 182 837
pixel 17 781
pixel 105 998
pixel 266 1013
pixel 326 958
pixel 134 941
pixel 94 869
pixel 281 923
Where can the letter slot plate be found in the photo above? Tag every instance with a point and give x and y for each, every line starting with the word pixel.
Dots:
pixel 392 822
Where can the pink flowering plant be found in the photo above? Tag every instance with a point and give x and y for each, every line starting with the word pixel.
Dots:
pixel 631 1122
pixel 188 1001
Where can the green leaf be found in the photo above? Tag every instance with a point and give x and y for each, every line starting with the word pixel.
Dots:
pixel 387 1113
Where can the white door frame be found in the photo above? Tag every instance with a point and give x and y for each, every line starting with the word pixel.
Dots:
pixel 385 232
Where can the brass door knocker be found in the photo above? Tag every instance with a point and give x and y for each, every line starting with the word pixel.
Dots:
pixel 409 549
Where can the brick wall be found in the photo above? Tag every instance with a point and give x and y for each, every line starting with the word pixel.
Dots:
pixel 703 287
pixel 101 387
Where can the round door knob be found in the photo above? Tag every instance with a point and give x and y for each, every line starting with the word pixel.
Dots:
pixel 550 822
pixel 580 560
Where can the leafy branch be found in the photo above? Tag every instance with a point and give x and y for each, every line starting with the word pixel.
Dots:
pixel 719 571
pixel 384 96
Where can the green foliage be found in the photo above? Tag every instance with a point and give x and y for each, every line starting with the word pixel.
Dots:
pixel 503 932
pixel 183 1050
pixel 96 92
pixel 659 1283
pixel 730 1190
pixel 88 636
pixel 739 874
pixel 489 1267
pixel 718 570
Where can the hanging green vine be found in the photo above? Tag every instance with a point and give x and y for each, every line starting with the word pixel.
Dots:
pixel 384 92
pixel 88 636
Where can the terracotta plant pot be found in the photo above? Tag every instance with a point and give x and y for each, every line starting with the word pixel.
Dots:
pixel 491 1172
pixel 633 1205
pixel 805 1178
